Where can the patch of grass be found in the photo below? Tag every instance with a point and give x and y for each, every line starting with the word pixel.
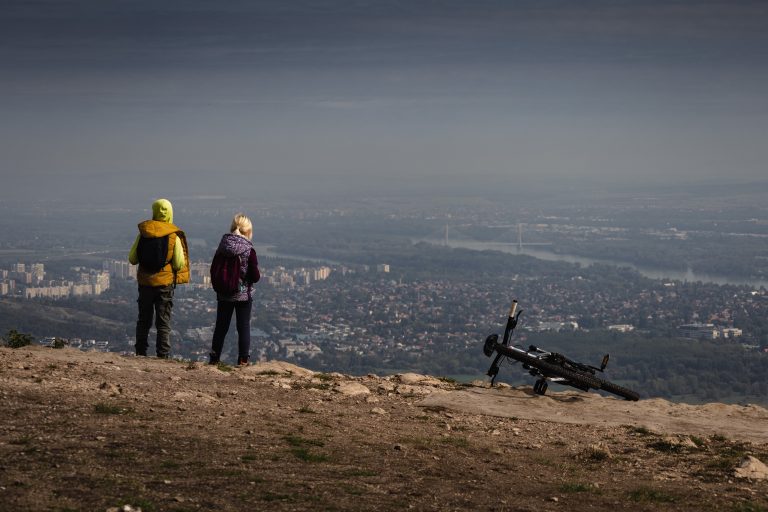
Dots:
pixel 301 441
pixel 273 496
pixel 698 441
pixel 545 461
pixel 458 442
pixel 420 443
pixel 665 446
pixel 143 504
pixel 23 440
pixel 360 472
pixel 118 455
pixel 719 438
pixel 170 464
pixel 735 451
pixel 324 376
pixel 720 465
pixel 579 487
pixel 748 506
pixel 307 456
pixel 102 408
pixel 323 386
pixel 448 380
pixel 248 458
pixel 646 494
pixel 643 431
pixel 306 410
pixel 269 373
pixel 353 489
pixel 224 367
pixel 725 458
pixel 233 473
pixel 301 451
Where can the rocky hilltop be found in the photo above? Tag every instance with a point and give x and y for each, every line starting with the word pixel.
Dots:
pixel 98 432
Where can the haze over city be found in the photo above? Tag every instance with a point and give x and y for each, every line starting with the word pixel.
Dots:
pixel 267 97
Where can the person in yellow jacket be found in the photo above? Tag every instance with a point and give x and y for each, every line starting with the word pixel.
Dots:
pixel 160 250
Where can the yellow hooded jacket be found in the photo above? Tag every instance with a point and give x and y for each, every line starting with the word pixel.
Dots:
pixel 177 269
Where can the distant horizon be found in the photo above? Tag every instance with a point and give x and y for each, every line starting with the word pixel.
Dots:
pixel 133 189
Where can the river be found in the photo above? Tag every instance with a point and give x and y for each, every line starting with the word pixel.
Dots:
pixel 652 273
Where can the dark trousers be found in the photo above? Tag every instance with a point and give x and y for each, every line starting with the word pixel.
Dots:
pixel 242 310
pixel 154 301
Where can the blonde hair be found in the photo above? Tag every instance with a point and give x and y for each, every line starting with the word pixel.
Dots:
pixel 241 225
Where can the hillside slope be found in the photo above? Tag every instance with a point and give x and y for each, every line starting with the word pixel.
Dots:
pixel 93 431
pixel 55 320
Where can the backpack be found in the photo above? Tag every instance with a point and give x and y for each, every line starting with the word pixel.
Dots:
pixel 225 273
pixel 152 253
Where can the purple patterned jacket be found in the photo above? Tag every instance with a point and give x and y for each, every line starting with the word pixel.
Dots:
pixel 232 245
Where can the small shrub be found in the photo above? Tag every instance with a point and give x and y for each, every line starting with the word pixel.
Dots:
pixel 595 453
pixel 15 339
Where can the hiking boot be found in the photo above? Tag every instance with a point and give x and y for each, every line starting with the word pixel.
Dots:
pixel 242 360
pixel 213 358
pixel 163 356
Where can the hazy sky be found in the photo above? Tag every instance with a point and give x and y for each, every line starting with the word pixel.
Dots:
pixel 256 97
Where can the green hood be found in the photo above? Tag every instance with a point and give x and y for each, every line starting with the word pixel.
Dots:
pixel 162 210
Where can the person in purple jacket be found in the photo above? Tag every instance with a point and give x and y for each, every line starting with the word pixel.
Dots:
pixel 237 242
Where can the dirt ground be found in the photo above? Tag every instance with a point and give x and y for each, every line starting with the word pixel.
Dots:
pixel 95 431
